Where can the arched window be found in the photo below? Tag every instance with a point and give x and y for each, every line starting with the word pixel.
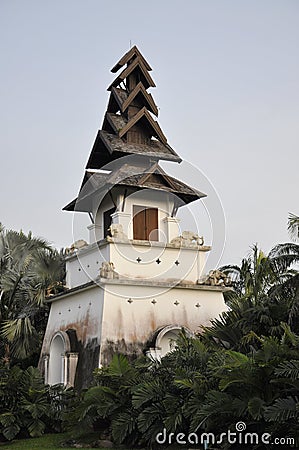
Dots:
pixel 59 346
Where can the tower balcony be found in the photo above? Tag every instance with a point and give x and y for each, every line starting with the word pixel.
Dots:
pixel 179 262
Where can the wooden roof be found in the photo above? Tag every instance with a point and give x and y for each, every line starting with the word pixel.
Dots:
pixel 144 114
pixel 134 177
pixel 130 129
pixel 120 100
pixel 128 126
pixel 116 100
pixel 116 122
pixel 116 148
pixel 132 53
pixel 140 89
pixel 100 154
pixel 137 64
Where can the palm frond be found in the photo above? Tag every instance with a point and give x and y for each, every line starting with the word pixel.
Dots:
pixel 283 409
pixel 293 226
pixel 288 369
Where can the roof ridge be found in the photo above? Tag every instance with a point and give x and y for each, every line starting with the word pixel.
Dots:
pixel 139 88
pixel 128 70
pixel 154 124
pixel 127 57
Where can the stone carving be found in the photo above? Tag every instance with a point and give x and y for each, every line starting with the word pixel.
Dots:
pixel 216 278
pixel 107 270
pixel 77 245
pixel 188 239
pixel 116 232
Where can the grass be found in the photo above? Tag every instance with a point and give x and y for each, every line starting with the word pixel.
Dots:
pixel 48 441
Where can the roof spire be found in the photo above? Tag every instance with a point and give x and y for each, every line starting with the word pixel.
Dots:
pixel 129 126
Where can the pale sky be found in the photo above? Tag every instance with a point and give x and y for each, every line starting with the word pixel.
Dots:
pixel 227 76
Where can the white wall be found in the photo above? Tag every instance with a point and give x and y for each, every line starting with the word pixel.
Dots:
pixel 81 311
pixel 124 256
pixel 150 199
pixel 84 265
pixel 146 197
pixel 135 321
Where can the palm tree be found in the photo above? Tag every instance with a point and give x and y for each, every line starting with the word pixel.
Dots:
pixel 266 292
pixel 285 257
pixel 30 269
pixel 293 226
pixel 260 272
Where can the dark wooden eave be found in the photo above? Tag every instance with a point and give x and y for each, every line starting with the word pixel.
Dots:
pixel 139 89
pixel 153 178
pixel 114 121
pixel 120 100
pixel 108 147
pixel 155 149
pixel 143 113
pixel 156 169
pixel 165 184
pixel 137 64
pixel 100 154
pixel 70 206
pixel 132 53
pixel 89 184
pixel 116 100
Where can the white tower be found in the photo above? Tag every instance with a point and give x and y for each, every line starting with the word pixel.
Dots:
pixel 136 283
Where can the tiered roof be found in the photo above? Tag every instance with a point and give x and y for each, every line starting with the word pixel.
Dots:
pixel 131 177
pixel 129 128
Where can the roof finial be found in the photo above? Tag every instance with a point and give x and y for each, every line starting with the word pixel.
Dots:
pixel 130 43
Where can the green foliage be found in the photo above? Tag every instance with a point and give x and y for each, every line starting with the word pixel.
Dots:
pixel 293 226
pixel 213 390
pixel 30 270
pixel 288 369
pixel 283 410
pixel 49 441
pixel 27 406
pixel 244 367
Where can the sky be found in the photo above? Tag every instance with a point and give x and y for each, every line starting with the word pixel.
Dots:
pixel 227 77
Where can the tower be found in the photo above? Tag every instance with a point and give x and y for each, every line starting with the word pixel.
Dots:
pixel 139 280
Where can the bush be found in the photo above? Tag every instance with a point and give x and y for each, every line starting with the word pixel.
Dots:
pixel 27 406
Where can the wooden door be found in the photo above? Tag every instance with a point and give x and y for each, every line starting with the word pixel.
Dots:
pixel 151 224
pixel 145 223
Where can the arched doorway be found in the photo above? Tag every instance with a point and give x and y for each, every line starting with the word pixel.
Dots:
pixel 165 341
pixel 57 359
